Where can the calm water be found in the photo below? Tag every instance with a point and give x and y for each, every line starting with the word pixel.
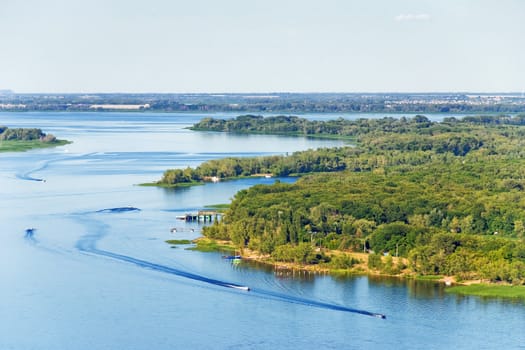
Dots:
pixel 92 279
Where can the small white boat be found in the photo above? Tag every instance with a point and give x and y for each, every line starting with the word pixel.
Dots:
pixel 247 289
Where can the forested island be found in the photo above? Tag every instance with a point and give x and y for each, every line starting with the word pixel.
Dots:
pixel 386 141
pixel 419 197
pixel 345 128
pixel 23 139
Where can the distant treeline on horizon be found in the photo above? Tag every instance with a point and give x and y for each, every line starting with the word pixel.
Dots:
pixel 268 102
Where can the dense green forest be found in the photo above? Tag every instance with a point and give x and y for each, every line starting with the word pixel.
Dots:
pixel 24 134
pixel 449 197
pixel 346 128
pixel 382 142
pixel 464 219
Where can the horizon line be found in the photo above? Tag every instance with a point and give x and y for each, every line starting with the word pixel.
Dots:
pixel 13 92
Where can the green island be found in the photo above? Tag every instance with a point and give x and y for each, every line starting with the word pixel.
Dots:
pixel 413 198
pixel 24 139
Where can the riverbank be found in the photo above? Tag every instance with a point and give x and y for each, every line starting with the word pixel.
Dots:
pixel 325 136
pixel 22 146
pixel 172 186
pixel 213 180
pixel 489 290
pixel 361 267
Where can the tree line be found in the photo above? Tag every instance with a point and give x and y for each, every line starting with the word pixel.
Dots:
pixel 273 102
pixel 446 196
pixel 382 142
pixel 24 134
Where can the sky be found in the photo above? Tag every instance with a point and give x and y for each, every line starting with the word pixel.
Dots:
pixel 64 46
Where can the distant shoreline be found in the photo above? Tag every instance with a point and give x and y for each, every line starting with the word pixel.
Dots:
pixel 272 102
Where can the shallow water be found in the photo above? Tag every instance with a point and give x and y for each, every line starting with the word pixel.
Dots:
pixel 89 277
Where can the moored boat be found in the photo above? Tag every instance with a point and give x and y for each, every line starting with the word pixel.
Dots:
pixel 232 257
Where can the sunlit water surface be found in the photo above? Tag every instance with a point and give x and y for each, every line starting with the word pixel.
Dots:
pixel 89 278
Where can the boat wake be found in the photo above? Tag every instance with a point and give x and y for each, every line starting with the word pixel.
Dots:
pixel 162 268
pixel 117 210
pixel 44 165
pixel 26 176
pixel 314 303
pixel 88 244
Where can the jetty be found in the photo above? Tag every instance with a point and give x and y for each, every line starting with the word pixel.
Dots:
pixel 201 216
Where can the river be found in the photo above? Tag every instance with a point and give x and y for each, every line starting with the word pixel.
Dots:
pixel 90 277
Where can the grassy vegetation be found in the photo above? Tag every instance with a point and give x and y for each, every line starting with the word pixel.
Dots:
pixel 490 290
pixel 210 245
pixel 178 241
pixel 218 207
pixel 428 277
pixel 22 146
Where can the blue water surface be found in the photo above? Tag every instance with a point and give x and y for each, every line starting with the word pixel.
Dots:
pixel 91 278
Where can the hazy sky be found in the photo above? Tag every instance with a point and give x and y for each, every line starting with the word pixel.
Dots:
pixel 262 46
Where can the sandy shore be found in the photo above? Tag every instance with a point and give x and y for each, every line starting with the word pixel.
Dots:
pixel 359 268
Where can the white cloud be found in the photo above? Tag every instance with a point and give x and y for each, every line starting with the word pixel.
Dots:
pixel 412 17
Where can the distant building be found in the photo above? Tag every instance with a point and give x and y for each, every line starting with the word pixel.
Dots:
pixel 12 106
pixel 122 107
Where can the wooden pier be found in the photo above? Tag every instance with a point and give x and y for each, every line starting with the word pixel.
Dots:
pixel 202 216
